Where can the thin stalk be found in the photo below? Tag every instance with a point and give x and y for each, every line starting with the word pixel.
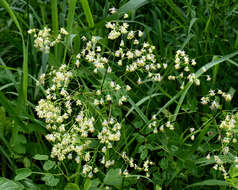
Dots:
pixel 55 24
pixel 70 18
pixel 78 174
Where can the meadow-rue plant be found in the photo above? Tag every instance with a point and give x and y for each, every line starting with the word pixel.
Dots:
pixel 138 96
pixel 82 122
pixel 44 39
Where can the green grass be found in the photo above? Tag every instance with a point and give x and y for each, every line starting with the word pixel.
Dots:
pixel 206 30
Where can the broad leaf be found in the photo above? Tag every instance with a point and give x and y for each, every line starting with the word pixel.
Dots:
pixel 71 186
pixel 48 165
pixel 114 178
pixel 50 180
pixel 41 157
pixel 6 184
pixel 22 173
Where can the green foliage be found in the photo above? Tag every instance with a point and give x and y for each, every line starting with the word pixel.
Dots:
pixel 41 157
pixel 71 186
pixel 113 178
pixel 9 184
pixel 199 153
pixel 22 173
pixel 50 180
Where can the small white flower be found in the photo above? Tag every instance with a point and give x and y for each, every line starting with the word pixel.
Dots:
pixel 125 15
pixel 113 10
pixel 140 34
pixel 63 31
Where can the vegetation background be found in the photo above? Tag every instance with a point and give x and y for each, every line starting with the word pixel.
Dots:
pixel 206 29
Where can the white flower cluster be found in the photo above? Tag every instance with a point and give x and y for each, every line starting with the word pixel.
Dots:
pixel 211 98
pixel 66 141
pixel 131 162
pixel 155 124
pixel 44 39
pixel 65 144
pixel 84 125
pixel 47 110
pixel 185 66
pixel 228 125
pixel 219 166
pixel 71 131
pixel 89 170
pixel 61 77
pixel 92 54
pixel 110 132
pixel 140 56
pixel 227 135
pixel 117 30
pixel 56 109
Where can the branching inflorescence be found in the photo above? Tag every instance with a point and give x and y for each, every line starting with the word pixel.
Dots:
pixel 80 114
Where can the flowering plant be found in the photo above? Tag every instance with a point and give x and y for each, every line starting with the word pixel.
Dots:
pixel 87 104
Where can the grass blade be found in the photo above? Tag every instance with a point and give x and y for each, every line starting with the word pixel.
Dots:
pixel 11 13
pixel 178 11
pixel 132 5
pixel 70 19
pixel 25 71
pixel 88 13
pixel 198 74
pixel 129 6
pixel 54 16
pixel 209 182
pixel 142 101
pixel 141 114
pixel 24 47
pixel 55 25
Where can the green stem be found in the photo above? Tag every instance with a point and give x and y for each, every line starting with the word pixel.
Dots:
pixel 55 25
pixel 78 174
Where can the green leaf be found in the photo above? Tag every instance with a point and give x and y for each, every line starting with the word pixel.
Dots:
pixel 71 186
pixel 233 171
pixel 54 13
pixel 209 182
pixel 114 178
pixel 70 20
pixel 18 142
pixel 87 13
pixel 87 184
pixel 94 184
pixel 41 157
pixel 29 184
pixel 6 184
pixel 158 187
pixel 133 5
pixel 11 13
pixel 22 173
pixel 143 152
pixel 48 165
pixel 142 101
pixel 140 113
pixel 50 180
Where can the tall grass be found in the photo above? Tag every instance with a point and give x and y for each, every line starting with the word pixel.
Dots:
pixel 207 30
